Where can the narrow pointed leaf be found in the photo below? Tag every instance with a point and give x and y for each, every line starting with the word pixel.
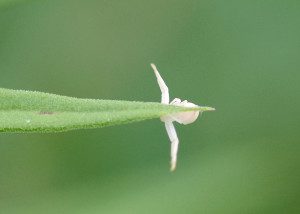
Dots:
pixel 29 111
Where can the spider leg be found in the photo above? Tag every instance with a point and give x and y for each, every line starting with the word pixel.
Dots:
pixel 175 101
pixel 162 85
pixel 174 143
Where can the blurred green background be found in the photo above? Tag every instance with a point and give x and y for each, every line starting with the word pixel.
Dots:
pixel 241 57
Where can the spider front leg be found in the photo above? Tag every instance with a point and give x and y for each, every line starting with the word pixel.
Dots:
pixel 168 118
pixel 174 143
pixel 162 85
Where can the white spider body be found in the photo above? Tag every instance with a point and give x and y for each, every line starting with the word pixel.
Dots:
pixel 183 117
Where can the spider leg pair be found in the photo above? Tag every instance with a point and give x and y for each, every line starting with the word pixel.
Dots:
pixel 184 118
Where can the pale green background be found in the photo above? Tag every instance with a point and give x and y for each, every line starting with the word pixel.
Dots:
pixel 242 57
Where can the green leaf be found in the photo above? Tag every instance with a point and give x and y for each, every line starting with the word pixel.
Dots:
pixel 29 111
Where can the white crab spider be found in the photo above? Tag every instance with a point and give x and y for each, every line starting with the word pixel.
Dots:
pixel 183 117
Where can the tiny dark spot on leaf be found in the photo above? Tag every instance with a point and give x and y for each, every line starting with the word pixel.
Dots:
pixel 46 112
